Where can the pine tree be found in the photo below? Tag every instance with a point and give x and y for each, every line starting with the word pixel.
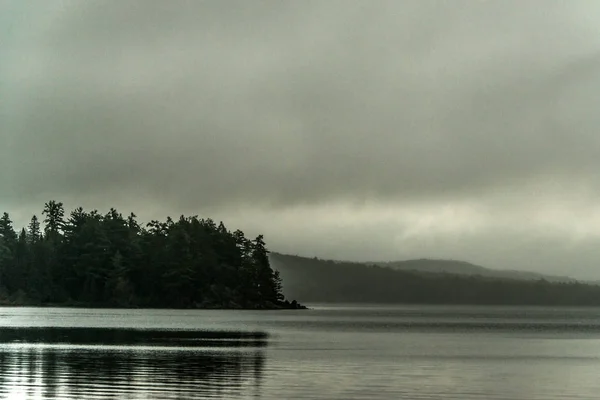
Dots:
pixel 55 213
pixel 7 231
pixel 34 233
pixel 265 277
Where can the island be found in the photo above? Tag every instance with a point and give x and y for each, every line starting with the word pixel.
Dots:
pixel 90 259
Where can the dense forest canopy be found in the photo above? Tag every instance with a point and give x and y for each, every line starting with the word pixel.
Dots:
pixel 94 259
pixel 315 280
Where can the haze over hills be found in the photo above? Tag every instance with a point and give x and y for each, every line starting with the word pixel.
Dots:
pixel 425 282
pixel 441 266
pixel 466 268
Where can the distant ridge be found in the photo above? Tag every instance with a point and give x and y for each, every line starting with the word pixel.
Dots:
pixel 445 266
pixel 466 268
pixel 425 281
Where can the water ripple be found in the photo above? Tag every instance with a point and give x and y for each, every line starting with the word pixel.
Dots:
pixel 92 373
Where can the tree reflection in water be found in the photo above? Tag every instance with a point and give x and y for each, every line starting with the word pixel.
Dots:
pixel 48 370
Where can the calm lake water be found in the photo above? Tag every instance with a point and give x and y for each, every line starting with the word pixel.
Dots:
pixel 329 352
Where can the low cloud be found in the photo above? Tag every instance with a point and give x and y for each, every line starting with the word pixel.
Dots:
pixel 342 129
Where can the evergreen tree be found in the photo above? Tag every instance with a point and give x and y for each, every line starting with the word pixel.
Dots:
pixel 8 259
pixel 53 230
pixel 54 212
pixel 266 279
pixel 34 233
pixel 7 231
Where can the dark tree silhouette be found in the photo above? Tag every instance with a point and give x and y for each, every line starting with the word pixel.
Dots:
pixel 91 259
pixel 34 232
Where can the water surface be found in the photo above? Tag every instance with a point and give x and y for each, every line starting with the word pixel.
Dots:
pixel 329 352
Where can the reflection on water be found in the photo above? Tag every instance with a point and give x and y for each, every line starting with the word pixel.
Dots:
pixel 331 352
pixel 132 337
pixel 49 368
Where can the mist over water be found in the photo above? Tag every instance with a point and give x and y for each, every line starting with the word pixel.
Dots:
pixel 329 352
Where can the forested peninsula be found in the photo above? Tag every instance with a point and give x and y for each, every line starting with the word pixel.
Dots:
pixel 91 259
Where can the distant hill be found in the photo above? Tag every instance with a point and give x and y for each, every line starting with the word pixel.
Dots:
pixel 465 268
pixel 425 282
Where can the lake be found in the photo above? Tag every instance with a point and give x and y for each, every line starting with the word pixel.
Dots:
pixel 328 352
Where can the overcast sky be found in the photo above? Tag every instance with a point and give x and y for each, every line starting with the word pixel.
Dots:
pixel 359 130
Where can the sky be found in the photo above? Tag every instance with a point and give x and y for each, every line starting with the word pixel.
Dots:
pixel 354 130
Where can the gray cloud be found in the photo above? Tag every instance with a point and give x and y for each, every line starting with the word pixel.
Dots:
pixel 379 114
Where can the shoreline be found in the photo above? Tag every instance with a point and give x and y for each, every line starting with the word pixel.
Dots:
pixel 263 307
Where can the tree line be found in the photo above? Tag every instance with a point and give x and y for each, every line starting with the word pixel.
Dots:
pixel 107 260
pixel 316 280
